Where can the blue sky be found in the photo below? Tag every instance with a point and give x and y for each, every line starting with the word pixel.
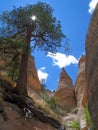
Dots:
pixel 75 17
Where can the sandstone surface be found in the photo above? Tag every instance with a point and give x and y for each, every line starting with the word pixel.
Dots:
pixel 23 113
pixel 65 94
pixel 15 120
pixel 33 80
pixel 92 66
pixel 81 93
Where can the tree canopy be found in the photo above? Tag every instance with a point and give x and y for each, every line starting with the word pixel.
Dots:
pixel 46 30
pixel 18 29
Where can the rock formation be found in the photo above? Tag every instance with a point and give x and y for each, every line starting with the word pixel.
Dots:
pixel 92 66
pixel 64 94
pixel 22 113
pixel 33 80
pixel 81 93
pixel 12 118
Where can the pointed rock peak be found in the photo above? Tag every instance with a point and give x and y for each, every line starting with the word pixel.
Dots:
pixel 82 60
pixel 64 80
pixel 33 80
pixel 64 75
pixel 64 94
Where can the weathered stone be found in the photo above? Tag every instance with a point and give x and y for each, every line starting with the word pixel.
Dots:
pixel 81 84
pixel 65 81
pixel 33 80
pixel 32 76
pixel 18 121
pixel 33 109
pixel 92 66
pixel 65 95
pixel 68 119
pixel 81 93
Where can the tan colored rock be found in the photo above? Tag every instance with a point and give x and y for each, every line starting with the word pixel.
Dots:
pixel 92 66
pixel 4 62
pixel 33 80
pixel 65 81
pixel 81 84
pixel 81 93
pixel 65 95
pixel 68 119
pixel 8 79
pixel 32 76
pixel 3 72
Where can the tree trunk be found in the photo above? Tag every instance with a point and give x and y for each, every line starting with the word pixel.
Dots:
pixel 22 78
pixel 21 87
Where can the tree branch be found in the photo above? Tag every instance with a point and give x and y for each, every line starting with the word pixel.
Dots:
pixel 14 57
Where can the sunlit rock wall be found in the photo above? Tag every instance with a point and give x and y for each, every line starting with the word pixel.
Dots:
pixel 65 94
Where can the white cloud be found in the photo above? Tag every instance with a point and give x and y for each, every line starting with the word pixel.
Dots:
pixel 92 6
pixel 61 60
pixel 42 74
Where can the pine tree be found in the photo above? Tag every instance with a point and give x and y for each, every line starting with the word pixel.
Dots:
pixel 36 27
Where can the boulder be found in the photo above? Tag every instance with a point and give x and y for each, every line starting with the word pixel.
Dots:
pixel 65 94
pixel 92 66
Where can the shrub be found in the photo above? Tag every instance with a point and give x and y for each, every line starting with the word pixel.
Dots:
pixel 88 119
pixel 74 125
pixel 50 101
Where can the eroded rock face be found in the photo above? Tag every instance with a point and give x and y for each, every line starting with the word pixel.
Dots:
pixel 32 76
pixel 92 66
pixel 81 84
pixel 33 80
pixel 27 114
pixel 12 119
pixel 81 93
pixel 65 92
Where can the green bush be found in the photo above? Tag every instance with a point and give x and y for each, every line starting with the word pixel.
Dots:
pixel 88 119
pixel 43 86
pixel 60 111
pixel 52 103
pixel 74 125
pixel 13 69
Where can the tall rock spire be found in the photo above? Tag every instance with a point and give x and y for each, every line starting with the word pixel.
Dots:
pixel 81 93
pixel 65 95
pixel 33 80
pixel 65 80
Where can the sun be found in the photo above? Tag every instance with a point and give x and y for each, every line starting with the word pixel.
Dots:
pixel 33 17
